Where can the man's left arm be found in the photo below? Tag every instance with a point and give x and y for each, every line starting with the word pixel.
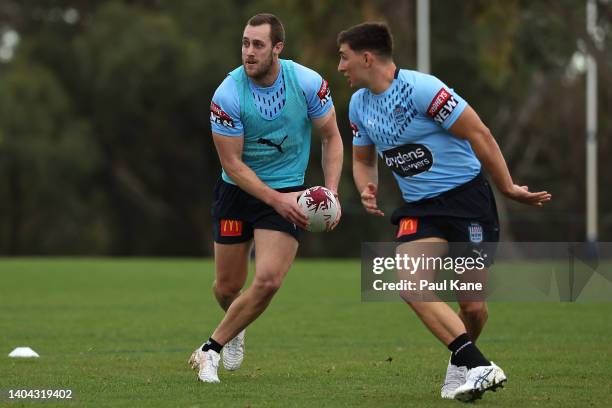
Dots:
pixel 332 149
pixel 469 126
pixel 322 114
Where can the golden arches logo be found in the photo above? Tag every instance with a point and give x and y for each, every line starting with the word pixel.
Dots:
pixel 407 226
pixel 231 228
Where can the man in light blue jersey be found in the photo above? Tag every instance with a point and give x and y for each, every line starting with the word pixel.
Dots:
pixel 261 117
pixel 435 145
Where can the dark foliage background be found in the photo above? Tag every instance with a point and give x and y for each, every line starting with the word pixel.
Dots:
pixel 105 142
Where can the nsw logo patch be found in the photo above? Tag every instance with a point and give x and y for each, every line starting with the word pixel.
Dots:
pixel 399 115
pixel 475 230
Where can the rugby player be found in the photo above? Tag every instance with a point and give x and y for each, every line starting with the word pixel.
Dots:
pixel 261 117
pixel 436 145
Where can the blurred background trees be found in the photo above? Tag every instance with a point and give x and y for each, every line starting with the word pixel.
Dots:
pixel 104 124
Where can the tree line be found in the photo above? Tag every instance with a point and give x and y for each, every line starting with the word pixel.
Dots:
pixel 105 144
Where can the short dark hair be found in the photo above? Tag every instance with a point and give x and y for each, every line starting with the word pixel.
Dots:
pixel 369 36
pixel 277 31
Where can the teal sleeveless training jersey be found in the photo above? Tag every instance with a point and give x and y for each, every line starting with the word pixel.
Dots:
pixel 276 143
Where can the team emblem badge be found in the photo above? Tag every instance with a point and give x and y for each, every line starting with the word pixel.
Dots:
pixel 475 233
pixel 399 115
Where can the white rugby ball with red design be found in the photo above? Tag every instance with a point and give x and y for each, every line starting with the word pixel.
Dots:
pixel 321 208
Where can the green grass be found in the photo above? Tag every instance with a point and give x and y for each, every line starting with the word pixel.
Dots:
pixel 119 332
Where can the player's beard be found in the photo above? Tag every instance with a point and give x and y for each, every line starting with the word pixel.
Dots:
pixel 263 70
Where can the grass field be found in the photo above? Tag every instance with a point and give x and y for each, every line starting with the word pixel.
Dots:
pixel 119 332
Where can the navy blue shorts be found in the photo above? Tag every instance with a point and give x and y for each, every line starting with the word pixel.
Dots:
pixel 236 214
pixel 465 216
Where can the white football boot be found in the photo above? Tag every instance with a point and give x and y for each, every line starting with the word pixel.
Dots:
pixel 206 364
pixel 233 352
pixel 455 377
pixel 480 379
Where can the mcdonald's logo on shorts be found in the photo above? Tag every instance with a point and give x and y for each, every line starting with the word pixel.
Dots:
pixel 407 226
pixel 231 228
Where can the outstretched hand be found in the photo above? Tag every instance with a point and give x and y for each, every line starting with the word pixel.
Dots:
pixel 368 200
pixel 523 195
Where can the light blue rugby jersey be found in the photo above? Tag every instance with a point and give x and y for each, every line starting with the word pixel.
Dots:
pixel 409 125
pixel 284 162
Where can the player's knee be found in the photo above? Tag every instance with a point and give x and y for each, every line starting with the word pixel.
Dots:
pixel 418 296
pixel 267 285
pixel 474 309
pixel 227 289
pixel 407 296
pixel 417 301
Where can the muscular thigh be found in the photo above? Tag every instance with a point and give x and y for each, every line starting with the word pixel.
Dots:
pixel 232 262
pixel 431 247
pixel 275 252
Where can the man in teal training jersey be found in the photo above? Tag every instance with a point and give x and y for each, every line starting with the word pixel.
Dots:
pixel 261 117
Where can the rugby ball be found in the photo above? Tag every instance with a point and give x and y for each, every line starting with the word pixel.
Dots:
pixel 321 208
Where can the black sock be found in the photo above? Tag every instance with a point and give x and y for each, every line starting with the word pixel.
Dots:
pixel 465 353
pixel 211 344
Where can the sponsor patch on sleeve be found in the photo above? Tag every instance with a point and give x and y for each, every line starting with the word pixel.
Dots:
pixel 218 116
pixel 324 93
pixel 442 105
pixel 407 226
pixel 355 130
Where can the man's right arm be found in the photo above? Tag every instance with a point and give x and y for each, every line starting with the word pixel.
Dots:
pixel 365 174
pixel 365 160
pixel 229 150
